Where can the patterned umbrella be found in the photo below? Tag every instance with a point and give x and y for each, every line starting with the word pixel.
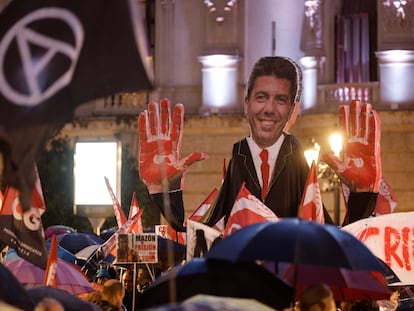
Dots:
pixel 75 241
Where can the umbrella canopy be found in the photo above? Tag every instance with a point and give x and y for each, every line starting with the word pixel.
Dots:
pixel 75 241
pixel 69 277
pixel 215 303
pixel 346 285
pixel 219 278
pixel 390 276
pixel 69 301
pixel 390 238
pixel 86 252
pixel 12 292
pixel 107 233
pixel 62 253
pixel 167 245
pixel 56 230
pixel 298 241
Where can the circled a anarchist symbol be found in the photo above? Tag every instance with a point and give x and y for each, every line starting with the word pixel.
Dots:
pixel 25 37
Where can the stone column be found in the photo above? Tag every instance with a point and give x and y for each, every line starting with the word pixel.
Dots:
pixel 396 77
pixel 310 69
pixel 219 83
pixel 312 45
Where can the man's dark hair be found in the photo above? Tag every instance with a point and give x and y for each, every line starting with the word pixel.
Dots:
pixel 280 67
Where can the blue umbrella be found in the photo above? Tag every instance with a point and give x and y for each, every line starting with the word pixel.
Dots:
pixel 298 241
pixel 62 253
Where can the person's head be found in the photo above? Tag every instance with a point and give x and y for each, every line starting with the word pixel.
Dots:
pixel 395 295
pixel 102 275
pixel 142 276
pixel 128 280
pixel 361 305
pixel 49 304
pixel 273 89
pixel 94 297
pixel 114 292
pixel 317 297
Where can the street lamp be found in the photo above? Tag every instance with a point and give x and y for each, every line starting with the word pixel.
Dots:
pixel 328 180
pixel 312 152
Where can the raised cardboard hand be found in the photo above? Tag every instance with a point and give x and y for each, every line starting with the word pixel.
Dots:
pixel 360 168
pixel 159 147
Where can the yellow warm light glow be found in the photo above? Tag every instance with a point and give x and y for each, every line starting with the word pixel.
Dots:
pixel 312 153
pixel 335 142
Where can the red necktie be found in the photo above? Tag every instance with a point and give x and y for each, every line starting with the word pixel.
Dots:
pixel 265 171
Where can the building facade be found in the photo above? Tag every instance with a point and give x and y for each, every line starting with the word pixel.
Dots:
pixel 202 52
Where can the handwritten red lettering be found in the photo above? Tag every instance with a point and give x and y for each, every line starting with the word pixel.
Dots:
pixel 390 248
pixel 405 252
pixel 366 233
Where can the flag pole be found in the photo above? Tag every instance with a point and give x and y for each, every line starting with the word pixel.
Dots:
pixel 134 283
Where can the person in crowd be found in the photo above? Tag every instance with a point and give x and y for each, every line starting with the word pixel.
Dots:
pixel 112 296
pixel 94 297
pixel 49 304
pixel 393 302
pixel 129 286
pixel 361 305
pixel 102 275
pixel 316 297
pixel 270 105
pixel 143 279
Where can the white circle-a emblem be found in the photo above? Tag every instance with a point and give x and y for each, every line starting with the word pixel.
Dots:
pixel 31 68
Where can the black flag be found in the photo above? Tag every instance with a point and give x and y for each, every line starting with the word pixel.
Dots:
pixel 54 56
pixel 23 231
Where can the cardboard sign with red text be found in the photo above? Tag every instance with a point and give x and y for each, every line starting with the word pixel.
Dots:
pixel 391 238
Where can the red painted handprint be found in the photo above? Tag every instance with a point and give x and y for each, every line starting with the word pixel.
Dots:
pixel 360 168
pixel 159 147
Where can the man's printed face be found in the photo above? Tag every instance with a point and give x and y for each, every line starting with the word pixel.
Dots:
pixel 268 109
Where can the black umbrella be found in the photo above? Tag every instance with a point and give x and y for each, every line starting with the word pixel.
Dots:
pixel 69 301
pixel 166 245
pixel 298 241
pixel 12 292
pixel 218 278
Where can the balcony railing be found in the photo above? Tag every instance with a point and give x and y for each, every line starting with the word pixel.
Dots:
pixel 120 104
pixel 330 97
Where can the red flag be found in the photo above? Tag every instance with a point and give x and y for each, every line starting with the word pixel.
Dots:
pixel 311 207
pixel 177 236
pixel 247 210
pixel 109 246
pixel 118 211
pixel 23 230
pixel 386 200
pixel 133 210
pixel 204 206
pixel 38 200
pixel 51 268
pixel 219 225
